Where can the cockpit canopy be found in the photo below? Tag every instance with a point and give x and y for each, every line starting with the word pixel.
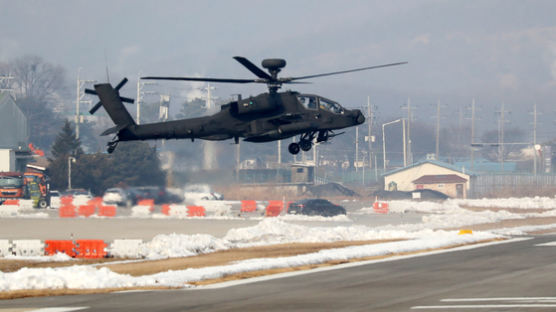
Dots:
pixel 310 101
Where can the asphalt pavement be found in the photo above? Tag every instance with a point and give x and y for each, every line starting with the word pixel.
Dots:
pixel 514 276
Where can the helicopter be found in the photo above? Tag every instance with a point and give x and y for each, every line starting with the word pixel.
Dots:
pixel 267 117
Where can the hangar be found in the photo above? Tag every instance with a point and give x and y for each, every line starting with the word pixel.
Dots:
pixel 429 174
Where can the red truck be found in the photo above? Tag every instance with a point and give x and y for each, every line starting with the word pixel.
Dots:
pixel 38 186
pixel 12 186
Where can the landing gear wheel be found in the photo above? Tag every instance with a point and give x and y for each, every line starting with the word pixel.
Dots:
pixel 305 145
pixel 111 146
pixel 293 148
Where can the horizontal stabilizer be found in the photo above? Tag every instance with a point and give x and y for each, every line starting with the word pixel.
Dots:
pixel 112 130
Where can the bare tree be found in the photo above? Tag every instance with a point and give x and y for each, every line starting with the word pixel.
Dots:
pixel 34 78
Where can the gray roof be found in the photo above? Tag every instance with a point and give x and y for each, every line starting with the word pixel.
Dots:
pixel 15 131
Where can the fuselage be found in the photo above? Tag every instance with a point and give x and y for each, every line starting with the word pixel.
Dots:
pixel 262 118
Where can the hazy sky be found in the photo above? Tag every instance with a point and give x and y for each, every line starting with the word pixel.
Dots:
pixel 495 51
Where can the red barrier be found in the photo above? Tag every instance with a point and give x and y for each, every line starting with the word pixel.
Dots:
pixel 14 202
pixel 86 210
pixel 147 202
pixel 195 211
pixel 90 248
pixel 107 211
pixel 380 207
pixel 64 246
pixel 248 206
pixel 166 209
pixel 97 202
pixel 67 211
pixel 274 208
pixel 66 200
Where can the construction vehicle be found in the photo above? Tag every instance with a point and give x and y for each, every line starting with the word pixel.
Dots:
pixel 38 185
pixel 12 186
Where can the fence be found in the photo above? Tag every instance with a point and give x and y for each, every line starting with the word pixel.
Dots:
pixel 516 185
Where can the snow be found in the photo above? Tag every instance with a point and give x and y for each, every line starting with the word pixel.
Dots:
pixel 89 277
pixel 427 234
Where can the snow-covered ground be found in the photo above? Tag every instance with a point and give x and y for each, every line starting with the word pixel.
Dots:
pixel 427 234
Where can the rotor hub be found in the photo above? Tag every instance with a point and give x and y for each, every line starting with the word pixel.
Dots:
pixel 274 64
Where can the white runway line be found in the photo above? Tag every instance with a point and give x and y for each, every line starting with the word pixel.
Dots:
pixel 59 309
pixel 517 302
pixel 485 306
pixel 528 299
pixel 549 244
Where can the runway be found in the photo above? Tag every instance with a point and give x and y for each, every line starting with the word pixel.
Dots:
pixel 504 277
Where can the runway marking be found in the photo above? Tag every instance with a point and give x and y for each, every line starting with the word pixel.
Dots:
pixel 516 302
pixel 485 306
pixel 51 309
pixel 351 264
pixel 549 244
pixel 528 299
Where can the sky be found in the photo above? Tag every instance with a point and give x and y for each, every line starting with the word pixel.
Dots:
pixel 494 51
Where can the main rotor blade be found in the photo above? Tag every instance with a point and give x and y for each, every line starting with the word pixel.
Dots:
pixel 201 79
pixel 342 72
pixel 252 67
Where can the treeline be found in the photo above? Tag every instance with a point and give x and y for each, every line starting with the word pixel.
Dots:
pixel 131 164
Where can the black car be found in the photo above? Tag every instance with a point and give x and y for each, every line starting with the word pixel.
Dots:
pixel 316 207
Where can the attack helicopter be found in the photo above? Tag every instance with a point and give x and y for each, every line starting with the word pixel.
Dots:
pixel 267 117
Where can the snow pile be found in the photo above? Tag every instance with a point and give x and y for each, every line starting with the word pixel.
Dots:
pixel 275 231
pixel 87 277
pixel 181 245
pixel 512 202
pixel 75 277
pixel 140 211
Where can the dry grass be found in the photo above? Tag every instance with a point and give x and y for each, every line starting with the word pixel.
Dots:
pixel 252 274
pixel 228 256
pixel 509 223
pixel 240 253
pixel 7 265
pixel 16 294
pixel 512 210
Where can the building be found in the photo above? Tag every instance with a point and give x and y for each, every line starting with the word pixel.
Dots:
pixel 15 131
pixel 14 151
pixel 429 174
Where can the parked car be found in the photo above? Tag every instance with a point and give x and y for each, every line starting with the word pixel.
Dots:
pixel 117 196
pixel 316 207
pixel 55 201
pixel 195 192
pixel 157 193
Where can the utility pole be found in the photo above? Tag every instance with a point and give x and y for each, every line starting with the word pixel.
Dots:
pixel 409 117
pixel 437 151
pixel 404 144
pixel 535 139
pixel 209 161
pixel 369 129
pixel 501 121
pixel 140 95
pixel 80 93
pixel 472 134
pixel 279 156
pixel 356 148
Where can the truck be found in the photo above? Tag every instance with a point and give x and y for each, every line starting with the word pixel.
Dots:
pixel 38 185
pixel 12 186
